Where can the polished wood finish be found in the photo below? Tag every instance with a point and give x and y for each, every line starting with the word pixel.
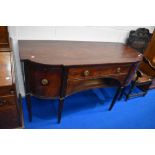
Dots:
pixel 7 90
pixel 7 101
pixel 79 53
pixel 123 78
pixel 43 80
pixel 9 118
pixel 9 108
pixel 4 39
pixel 59 68
pixel 98 71
pixel 149 54
pixel 5 69
pixel 145 77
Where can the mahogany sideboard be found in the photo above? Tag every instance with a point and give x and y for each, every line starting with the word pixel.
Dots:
pixel 10 116
pixel 57 69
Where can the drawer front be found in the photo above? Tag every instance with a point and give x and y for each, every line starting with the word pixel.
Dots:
pixel 97 71
pixel 7 101
pixel 43 81
pixel 7 91
pixel 9 118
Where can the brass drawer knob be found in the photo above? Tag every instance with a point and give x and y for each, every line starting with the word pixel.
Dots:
pixel 118 70
pixel 86 73
pixel 44 82
pixel 12 91
pixel 2 102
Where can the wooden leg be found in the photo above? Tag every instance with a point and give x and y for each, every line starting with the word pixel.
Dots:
pixel 28 101
pixel 145 93
pixel 131 89
pixel 20 109
pixel 60 108
pixel 115 97
pixel 122 93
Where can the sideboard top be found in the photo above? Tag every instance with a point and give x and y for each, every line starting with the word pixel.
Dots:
pixel 76 52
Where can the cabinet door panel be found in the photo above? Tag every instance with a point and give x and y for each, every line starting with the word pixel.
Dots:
pixel 42 80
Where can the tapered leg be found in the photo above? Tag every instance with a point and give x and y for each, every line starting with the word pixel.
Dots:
pixel 60 108
pixel 115 97
pixel 122 93
pixel 20 109
pixel 130 90
pixel 145 93
pixel 28 101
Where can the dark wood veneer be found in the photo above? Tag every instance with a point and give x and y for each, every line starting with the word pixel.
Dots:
pixel 67 67
pixel 73 53
pixel 36 74
pixel 150 55
pixel 4 39
pixel 9 108
pixel 98 71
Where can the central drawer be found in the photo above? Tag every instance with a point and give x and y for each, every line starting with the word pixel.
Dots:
pixel 97 71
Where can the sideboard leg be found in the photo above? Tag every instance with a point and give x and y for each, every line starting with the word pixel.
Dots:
pixel 133 84
pixel 20 113
pixel 61 102
pixel 122 93
pixel 115 97
pixel 28 101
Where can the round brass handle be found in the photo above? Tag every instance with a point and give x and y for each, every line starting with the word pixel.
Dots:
pixel 118 70
pixel 44 82
pixel 86 73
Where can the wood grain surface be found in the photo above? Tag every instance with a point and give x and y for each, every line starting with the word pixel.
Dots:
pixel 5 69
pixel 71 53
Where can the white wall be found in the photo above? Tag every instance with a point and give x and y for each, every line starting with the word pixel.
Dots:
pixel 87 33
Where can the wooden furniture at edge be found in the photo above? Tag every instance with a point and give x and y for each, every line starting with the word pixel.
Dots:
pixel 57 69
pixel 9 108
pixel 144 78
pixel 150 55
